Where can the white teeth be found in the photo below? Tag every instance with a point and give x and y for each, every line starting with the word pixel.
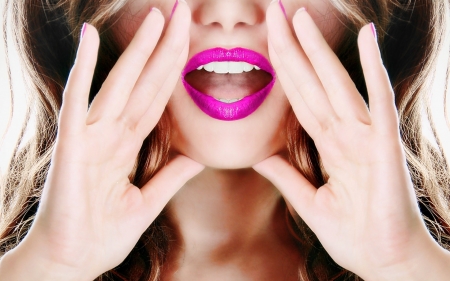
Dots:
pixel 209 67
pixel 248 67
pixel 228 67
pixel 220 67
pixel 235 67
pixel 228 100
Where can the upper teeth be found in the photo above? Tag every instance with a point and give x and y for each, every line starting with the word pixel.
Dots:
pixel 228 67
pixel 229 100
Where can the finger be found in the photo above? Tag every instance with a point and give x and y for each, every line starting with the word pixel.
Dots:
pixel 76 93
pixel 302 112
pixel 296 64
pixel 163 186
pixel 381 96
pixel 342 92
pixel 156 109
pixel 292 185
pixel 115 91
pixel 163 61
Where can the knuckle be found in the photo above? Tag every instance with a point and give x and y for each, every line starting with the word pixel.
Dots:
pixel 153 86
pixel 315 53
pixel 331 124
pixel 143 51
pixel 304 83
pixel 176 45
pixel 285 49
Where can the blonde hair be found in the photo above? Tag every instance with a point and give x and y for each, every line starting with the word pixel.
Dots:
pixel 411 33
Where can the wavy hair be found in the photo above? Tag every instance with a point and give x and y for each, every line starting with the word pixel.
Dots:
pixel 45 32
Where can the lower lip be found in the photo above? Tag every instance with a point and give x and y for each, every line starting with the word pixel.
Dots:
pixel 228 111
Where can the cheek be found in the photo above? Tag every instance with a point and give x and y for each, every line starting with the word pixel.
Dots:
pixel 127 28
pixel 327 18
pixel 228 144
pixel 133 14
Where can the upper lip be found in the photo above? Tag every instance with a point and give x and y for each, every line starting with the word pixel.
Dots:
pixel 222 54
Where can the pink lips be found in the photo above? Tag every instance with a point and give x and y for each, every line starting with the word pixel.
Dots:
pixel 228 111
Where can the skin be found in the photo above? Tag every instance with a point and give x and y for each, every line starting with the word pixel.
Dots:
pixel 228 205
pixel 214 143
pixel 366 215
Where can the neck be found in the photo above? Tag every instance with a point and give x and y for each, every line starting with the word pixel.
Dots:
pixel 220 210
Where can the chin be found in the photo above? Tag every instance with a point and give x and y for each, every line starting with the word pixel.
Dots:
pixel 219 157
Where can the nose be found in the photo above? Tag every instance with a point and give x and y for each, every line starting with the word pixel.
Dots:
pixel 227 14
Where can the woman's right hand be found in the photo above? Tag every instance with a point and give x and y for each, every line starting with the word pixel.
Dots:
pixel 90 216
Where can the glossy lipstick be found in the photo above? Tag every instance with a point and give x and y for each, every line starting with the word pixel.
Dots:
pixel 221 110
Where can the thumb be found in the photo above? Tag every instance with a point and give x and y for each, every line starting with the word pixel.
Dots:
pixel 294 187
pixel 162 187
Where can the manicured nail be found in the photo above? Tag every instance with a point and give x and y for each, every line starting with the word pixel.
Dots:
pixel 83 29
pixel 282 8
pixel 156 10
pixel 173 9
pixel 374 31
pixel 273 1
pixel 302 9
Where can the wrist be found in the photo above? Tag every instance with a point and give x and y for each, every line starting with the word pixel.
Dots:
pixel 429 263
pixel 22 264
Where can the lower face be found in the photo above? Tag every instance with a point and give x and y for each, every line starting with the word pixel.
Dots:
pixel 253 128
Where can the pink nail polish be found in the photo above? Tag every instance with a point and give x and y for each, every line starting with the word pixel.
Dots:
pixel 283 9
pixel 302 9
pixel 156 10
pixel 374 31
pixel 83 29
pixel 173 9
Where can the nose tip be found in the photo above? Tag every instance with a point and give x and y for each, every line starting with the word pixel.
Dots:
pixel 228 14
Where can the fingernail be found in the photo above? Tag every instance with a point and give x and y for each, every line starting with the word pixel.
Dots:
pixel 273 1
pixel 175 7
pixel 374 31
pixel 302 9
pixel 83 29
pixel 282 8
pixel 156 10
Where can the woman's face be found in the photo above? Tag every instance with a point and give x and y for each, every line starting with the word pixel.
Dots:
pixel 228 135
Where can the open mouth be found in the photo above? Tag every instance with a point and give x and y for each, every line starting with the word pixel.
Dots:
pixel 228 84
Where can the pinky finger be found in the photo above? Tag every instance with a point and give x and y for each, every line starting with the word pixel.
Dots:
pixel 76 93
pixel 381 96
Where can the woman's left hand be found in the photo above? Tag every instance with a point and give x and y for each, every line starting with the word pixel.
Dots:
pixel 366 215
